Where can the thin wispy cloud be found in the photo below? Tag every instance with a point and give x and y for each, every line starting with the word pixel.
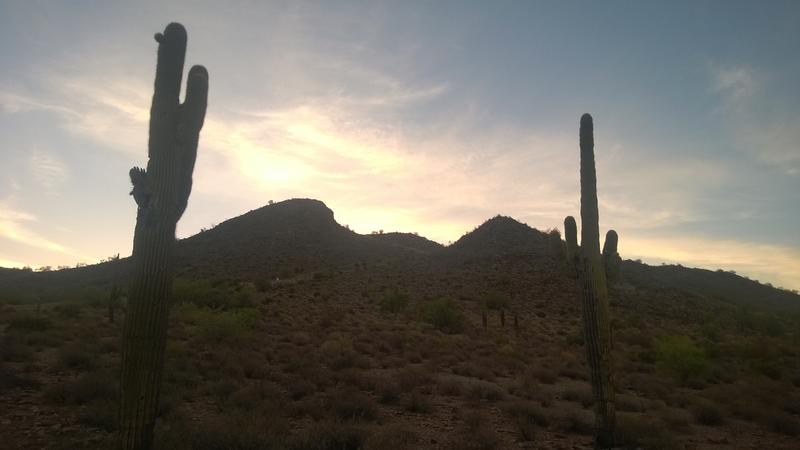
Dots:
pixel 49 171
pixel 15 226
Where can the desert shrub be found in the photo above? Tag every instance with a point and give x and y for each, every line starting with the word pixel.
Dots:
pixel 444 315
pixel 219 325
pixel 68 310
pixel 100 414
pixel 581 394
pixel 707 413
pixel 476 433
pixel 680 356
pixel 299 388
pixel 353 405
pixel 497 300
pixel 625 402
pixel 256 397
pixel 82 390
pixel 676 419
pixel 473 370
pixel 579 422
pixel 417 402
pixel 200 293
pixel 635 432
pixel 338 352
pixel 75 357
pixel 9 379
pixel 393 437
pixel 332 436
pixel 12 349
pixel 228 432
pixel 394 301
pixel 543 375
pixel 412 377
pixel 783 423
pixel 389 391
pixel 482 390
pixel 452 388
pixel 528 416
pixel 204 293
pixel 26 323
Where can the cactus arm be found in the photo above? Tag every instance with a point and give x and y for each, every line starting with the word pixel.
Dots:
pixel 192 116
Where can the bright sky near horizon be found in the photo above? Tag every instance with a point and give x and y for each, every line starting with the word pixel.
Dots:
pixel 417 116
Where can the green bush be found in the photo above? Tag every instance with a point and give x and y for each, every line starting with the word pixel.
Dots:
pixel 217 325
pixel 394 301
pixel 444 315
pixel 497 301
pixel 680 356
pixel 30 323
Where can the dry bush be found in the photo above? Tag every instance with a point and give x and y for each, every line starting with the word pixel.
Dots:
pixel 353 405
pixel 393 437
pixel 418 402
pixel 578 422
pixel 581 394
pixel 476 433
pixel 483 390
pixel 75 357
pixel 84 389
pixel 707 413
pixel 635 431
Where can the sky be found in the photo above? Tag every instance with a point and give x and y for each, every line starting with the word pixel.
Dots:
pixel 417 116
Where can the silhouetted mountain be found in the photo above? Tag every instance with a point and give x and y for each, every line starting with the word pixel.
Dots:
pixel 719 284
pixel 409 241
pixel 302 235
pixel 292 234
pixel 499 236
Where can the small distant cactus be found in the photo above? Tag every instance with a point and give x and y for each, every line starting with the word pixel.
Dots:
pixel 571 237
pixel 611 258
pixel 161 193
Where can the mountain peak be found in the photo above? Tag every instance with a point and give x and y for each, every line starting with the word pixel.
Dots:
pixel 501 235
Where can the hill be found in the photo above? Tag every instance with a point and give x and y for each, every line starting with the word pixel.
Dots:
pixel 291 331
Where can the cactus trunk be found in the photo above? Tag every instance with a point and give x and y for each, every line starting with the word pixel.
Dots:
pixel 161 193
pixel 596 316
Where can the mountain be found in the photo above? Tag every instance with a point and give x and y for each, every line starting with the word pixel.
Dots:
pixel 501 235
pixel 289 235
pixel 302 235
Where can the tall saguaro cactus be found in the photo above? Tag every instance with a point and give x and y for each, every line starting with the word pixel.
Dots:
pixel 592 276
pixel 161 193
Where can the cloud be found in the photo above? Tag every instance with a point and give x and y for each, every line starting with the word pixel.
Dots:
pixel 48 171
pixel 13 227
pixel 737 84
pixel 759 128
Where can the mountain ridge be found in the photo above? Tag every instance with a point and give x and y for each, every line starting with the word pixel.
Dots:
pixel 302 234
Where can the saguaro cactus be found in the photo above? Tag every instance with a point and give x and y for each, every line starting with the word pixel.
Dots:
pixel 571 237
pixel 161 193
pixel 611 258
pixel 592 276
